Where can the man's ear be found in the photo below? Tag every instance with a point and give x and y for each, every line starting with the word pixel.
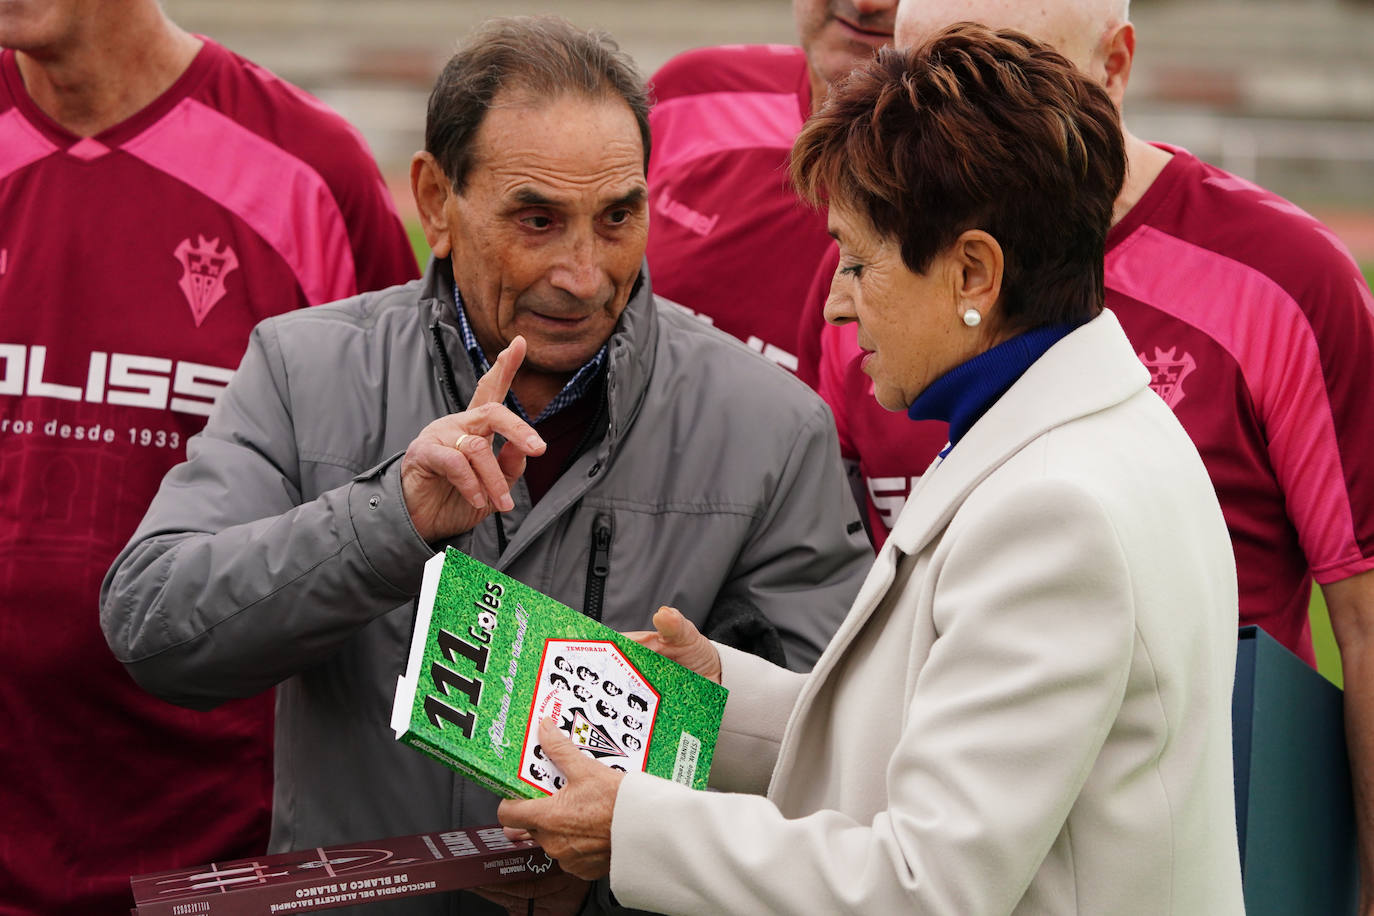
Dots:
pixel 980 263
pixel 1118 51
pixel 431 189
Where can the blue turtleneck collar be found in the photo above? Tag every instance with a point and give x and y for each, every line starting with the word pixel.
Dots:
pixel 963 394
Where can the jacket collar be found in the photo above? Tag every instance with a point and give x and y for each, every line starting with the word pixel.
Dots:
pixel 629 357
pixel 1091 369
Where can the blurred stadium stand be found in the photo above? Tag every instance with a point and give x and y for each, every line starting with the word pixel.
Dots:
pixel 1282 93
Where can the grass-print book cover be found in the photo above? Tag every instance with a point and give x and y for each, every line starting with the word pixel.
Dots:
pixel 491 657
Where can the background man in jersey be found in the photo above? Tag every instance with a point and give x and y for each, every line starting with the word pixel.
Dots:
pixel 158 197
pixel 357 438
pixel 1258 330
pixel 730 240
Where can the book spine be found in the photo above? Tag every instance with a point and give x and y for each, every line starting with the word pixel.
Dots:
pixel 324 893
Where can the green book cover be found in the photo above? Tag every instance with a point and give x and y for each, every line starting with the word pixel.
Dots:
pixel 491 657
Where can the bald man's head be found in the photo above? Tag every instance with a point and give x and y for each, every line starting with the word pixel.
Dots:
pixel 1081 30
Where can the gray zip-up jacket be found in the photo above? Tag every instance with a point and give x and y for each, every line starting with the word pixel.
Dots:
pixel 281 553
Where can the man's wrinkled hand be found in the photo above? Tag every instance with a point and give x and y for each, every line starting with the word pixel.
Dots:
pixel 451 477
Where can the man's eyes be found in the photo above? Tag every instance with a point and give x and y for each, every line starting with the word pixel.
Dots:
pixel 617 216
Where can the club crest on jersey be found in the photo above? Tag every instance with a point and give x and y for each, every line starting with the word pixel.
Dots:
pixel 204 268
pixel 1167 372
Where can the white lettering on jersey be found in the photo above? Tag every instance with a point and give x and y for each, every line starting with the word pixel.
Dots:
pixel 776 354
pixel 125 379
pixel 41 389
pixel 12 359
pixel 888 495
pixel 146 376
pixel 773 352
pixel 685 216
pixel 199 381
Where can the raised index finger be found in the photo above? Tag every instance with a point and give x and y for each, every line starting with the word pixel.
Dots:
pixel 494 384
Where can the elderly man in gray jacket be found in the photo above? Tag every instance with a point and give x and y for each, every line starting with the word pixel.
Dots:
pixel 618 455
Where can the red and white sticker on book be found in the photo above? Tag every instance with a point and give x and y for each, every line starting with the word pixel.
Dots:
pixel 599 700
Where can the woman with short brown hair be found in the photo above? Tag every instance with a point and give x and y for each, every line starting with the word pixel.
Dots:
pixel 1027 709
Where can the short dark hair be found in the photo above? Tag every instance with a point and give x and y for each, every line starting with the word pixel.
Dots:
pixel 543 56
pixel 977 129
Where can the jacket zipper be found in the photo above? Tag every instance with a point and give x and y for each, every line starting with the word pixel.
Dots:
pixel 598 567
pixel 456 403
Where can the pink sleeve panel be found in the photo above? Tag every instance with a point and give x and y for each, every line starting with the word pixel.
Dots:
pixel 275 82
pixel 715 122
pixel 382 253
pixel 254 179
pixel 23 144
pixel 1272 341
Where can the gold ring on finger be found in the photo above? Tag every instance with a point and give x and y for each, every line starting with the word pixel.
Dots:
pixel 459 444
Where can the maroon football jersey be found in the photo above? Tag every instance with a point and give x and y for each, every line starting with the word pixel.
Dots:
pixel 1258 330
pixel 729 239
pixel 132 266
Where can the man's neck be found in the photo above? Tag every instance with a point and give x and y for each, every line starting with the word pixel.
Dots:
pixel 534 390
pixel 109 72
pixel 1144 162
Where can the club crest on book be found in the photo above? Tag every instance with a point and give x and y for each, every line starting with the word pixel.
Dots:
pixel 204 267
pixel 589 736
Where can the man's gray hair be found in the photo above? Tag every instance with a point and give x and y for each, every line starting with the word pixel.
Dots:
pixel 541 57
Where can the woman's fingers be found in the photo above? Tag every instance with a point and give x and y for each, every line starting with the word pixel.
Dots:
pixel 680 640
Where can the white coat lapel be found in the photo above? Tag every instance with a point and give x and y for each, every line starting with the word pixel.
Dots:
pixel 1091 369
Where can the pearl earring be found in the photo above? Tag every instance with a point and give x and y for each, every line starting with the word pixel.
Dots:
pixel 973 318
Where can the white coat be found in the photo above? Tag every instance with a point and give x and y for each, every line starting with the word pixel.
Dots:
pixel 1027 709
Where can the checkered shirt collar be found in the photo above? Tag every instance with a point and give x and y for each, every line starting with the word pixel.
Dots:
pixel 577 385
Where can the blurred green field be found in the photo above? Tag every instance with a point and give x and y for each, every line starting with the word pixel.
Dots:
pixel 1328 659
pixel 417 241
